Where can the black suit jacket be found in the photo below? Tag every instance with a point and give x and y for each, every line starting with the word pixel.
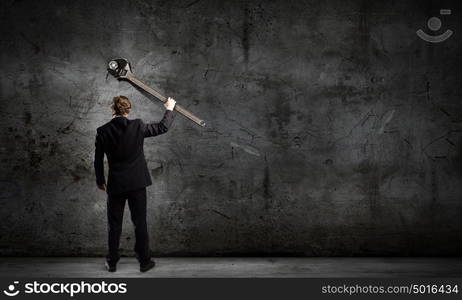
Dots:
pixel 122 140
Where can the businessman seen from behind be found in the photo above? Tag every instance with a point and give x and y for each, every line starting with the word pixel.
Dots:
pixel 122 139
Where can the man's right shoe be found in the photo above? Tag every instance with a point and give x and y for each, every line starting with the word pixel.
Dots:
pixel 147 266
pixel 110 267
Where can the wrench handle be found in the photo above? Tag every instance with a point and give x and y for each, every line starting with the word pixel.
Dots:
pixel 130 77
pixel 189 115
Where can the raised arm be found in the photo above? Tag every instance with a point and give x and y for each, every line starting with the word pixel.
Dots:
pixel 153 129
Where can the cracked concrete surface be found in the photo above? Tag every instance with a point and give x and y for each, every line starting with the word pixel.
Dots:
pixel 332 129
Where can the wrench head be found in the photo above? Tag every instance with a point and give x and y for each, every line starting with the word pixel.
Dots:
pixel 119 67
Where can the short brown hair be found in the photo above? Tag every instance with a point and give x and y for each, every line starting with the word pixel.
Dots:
pixel 121 105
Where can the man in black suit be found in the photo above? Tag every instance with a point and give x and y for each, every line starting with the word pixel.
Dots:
pixel 128 176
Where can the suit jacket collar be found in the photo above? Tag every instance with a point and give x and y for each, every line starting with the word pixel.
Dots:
pixel 119 120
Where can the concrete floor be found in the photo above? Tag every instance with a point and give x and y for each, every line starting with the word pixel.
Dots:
pixel 235 267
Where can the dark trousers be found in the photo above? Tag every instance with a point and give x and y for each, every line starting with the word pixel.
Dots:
pixel 115 213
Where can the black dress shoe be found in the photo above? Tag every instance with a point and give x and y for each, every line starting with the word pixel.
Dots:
pixel 110 267
pixel 147 266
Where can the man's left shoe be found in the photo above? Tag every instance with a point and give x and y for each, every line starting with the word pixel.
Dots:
pixel 110 267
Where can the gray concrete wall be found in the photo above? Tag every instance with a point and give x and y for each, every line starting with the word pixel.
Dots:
pixel 332 128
